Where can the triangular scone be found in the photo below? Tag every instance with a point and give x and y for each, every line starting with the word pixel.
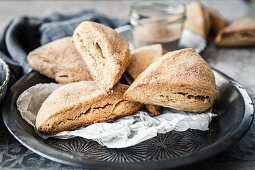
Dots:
pixel 142 57
pixel 82 103
pixel 240 33
pixel 59 60
pixel 180 79
pixel 198 19
pixel 217 22
pixel 105 52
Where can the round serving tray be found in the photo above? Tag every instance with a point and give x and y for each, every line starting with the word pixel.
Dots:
pixel 174 149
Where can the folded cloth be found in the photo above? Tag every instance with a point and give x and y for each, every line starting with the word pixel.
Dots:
pixel 24 34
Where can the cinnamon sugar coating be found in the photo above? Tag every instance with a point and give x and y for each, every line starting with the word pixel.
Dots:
pixel 104 51
pixel 59 60
pixel 82 103
pixel 180 79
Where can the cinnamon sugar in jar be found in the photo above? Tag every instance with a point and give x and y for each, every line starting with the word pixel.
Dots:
pixel 157 23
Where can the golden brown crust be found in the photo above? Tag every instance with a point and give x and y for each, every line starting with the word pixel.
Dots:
pixel 240 33
pixel 180 79
pixel 104 51
pixel 82 103
pixel 198 19
pixel 242 24
pixel 153 109
pixel 142 57
pixel 59 60
pixel 217 22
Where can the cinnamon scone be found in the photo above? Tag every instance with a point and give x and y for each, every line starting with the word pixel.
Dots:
pixel 217 22
pixel 82 103
pixel 104 51
pixel 198 19
pixel 59 60
pixel 180 79
pixel 240 33
pixel 141 58
pixel 154 110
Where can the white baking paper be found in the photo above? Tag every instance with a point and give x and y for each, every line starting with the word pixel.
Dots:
pixel 121 133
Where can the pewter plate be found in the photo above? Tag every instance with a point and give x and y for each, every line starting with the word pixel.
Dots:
pixel 174 149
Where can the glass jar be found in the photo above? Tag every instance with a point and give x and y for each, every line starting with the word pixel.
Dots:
pixel 155 22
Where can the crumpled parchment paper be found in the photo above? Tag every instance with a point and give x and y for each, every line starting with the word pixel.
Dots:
pixel 121 133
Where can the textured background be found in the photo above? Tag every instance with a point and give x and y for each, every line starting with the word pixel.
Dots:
pixel 237 63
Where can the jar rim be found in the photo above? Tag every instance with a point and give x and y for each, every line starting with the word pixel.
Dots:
pixel 156 9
